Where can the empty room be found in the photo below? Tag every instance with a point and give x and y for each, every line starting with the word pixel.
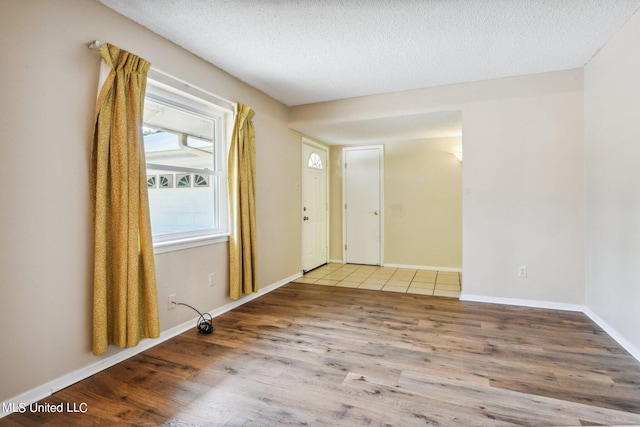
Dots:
pixel 348 213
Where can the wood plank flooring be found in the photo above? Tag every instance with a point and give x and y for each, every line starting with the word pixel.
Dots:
pixel 309 355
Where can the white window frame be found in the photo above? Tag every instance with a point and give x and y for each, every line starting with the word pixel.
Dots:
pixel 180 95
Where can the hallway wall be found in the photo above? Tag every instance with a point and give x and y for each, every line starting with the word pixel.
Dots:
pixel 422 203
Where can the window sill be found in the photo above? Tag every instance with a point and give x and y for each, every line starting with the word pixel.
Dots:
pixel 189 242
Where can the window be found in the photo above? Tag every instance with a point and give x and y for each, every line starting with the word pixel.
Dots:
pixel 315 162
pixel 185 144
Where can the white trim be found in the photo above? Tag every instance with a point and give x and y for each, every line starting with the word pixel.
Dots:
pixel 51 387
pixel 176 94
pixel 610 330
pixel 382 213
pixel 234 304
pixel 551 305
pixel 169 80
pixel 425 267
pixel 613 333
pixel 381 153
pixel 316 145
pixel 64 381
pixel 192 242
pixel 327 170
pixel 336 261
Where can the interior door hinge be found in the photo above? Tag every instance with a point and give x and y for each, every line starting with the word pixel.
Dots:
pixel 345 247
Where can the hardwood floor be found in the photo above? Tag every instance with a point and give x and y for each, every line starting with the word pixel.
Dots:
pixel 326 356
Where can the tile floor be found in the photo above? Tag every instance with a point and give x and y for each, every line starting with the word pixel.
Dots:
pixel 424 282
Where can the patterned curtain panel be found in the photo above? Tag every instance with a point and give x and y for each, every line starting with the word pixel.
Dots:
pixel 242 190
pixel 125 306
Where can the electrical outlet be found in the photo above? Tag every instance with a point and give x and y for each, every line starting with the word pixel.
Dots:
pixel 522 271
pixel 172 300
pixel 212 279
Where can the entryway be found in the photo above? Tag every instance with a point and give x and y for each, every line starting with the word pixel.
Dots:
pixel 315 209
pixel 391 279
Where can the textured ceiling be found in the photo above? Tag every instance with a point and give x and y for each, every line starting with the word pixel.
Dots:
pixel 306 51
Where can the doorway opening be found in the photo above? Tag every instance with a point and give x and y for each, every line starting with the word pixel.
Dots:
pixel 315 206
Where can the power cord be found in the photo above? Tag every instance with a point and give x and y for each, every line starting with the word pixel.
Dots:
pixel 205 321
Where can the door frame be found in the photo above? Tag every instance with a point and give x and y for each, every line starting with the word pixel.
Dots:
pixel 318 146
pixel 380 148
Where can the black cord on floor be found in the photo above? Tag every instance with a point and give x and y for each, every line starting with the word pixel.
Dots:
pixel 205 321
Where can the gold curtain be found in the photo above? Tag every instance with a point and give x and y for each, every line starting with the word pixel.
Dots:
pixel 242 189
pixel 125 303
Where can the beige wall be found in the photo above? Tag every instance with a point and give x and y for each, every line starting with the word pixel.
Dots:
pixel 523 177
pixel 422 203
pixel 523 185
pixel 48 85
pixel 612 147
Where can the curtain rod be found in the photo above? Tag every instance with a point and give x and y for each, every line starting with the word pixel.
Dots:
pixel 95 45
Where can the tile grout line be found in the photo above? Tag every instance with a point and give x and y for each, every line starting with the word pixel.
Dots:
pixel 340 270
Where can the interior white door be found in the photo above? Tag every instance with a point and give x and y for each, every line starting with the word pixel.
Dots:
pixel 314 207
pixel 363 205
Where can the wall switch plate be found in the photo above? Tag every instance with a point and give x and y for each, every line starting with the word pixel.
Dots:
pixel 522 271
pixel 172 300
pixel 212 279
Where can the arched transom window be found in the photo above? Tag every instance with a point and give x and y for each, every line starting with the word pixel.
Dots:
pixel 315 161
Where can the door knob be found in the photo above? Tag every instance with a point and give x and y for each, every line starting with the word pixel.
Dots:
pixel 376 213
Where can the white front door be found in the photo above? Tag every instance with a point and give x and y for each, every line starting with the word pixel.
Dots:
pixel 362 196
pixel 314 206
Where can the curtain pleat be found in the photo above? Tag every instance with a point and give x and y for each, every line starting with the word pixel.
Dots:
pixel 242 172
pixel 125 306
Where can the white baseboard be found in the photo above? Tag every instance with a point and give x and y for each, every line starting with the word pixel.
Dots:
pixel 51 387
pixel 610 330
pixel 414 267
pixel 425 267
pixel 613 333
pixel 551 305
pixel 230 306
